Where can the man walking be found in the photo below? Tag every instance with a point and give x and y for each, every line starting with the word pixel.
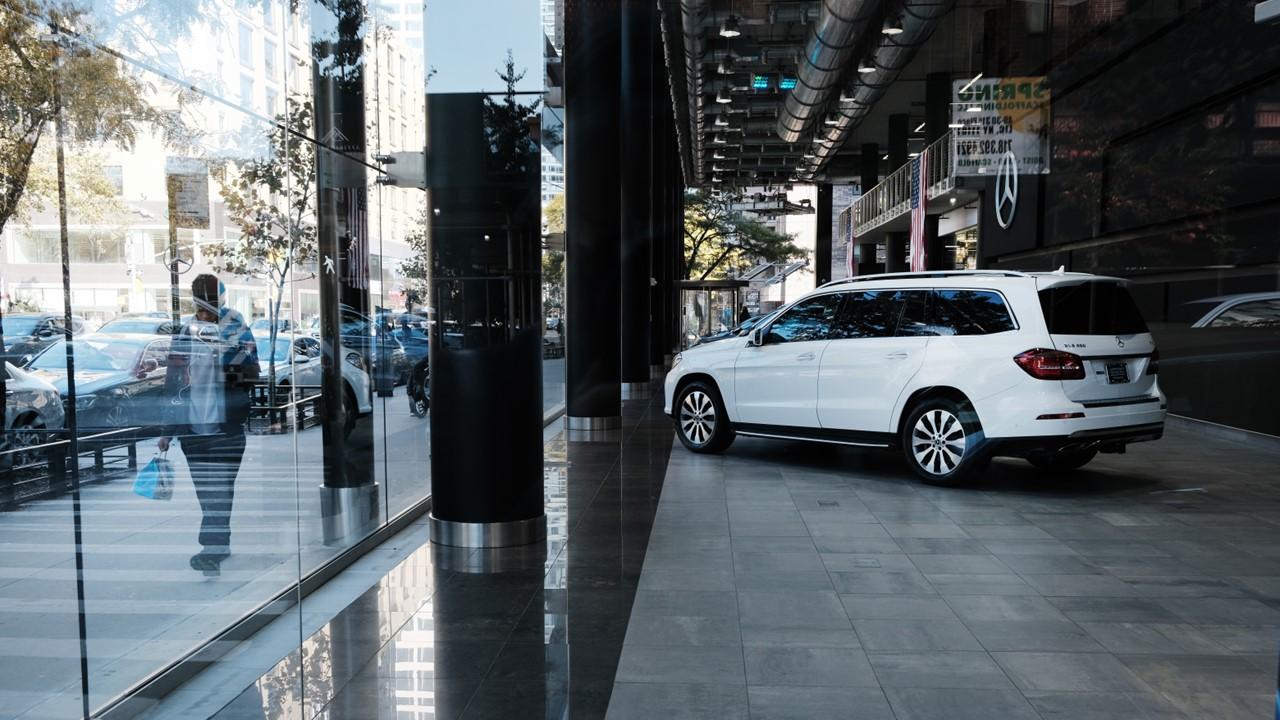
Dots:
pixel 213 364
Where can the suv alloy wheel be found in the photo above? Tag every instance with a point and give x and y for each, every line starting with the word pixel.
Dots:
pixel 941 441
pixel 701 421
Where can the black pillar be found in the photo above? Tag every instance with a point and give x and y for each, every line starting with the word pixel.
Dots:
pixel 486 344
pixel 659 215
pixel 895 252
pixel 899 131
pixel 635 178
pixel 869 167
pixel 592 208
pixel 937 105
pixel 822 240
pixel 349 503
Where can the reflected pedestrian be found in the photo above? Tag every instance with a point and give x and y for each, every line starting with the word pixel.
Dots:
pixel 213 364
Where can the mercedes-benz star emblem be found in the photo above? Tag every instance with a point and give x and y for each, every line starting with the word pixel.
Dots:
pixel 1006 198
pixel 1119 341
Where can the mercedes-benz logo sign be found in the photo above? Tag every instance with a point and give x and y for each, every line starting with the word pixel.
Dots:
pixel 1119 341
pixel 1006 199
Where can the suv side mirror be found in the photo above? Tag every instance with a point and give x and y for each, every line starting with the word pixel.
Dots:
pixel 46 332
pixel 756 339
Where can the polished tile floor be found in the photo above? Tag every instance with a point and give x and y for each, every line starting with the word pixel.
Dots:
pixel 793 581
pixel 783 580
pixel 452 633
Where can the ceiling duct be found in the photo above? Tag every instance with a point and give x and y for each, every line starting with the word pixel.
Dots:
pixel 832 42
pixel 919 19
pixel 692 14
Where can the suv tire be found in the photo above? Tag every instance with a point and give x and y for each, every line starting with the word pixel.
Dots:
pixel 701 421
pixel 941 442
pixel 1062 461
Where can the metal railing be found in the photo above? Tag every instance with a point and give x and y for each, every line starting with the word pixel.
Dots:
pixel 891 199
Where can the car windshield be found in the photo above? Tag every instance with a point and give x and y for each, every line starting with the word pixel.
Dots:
pixel 282 348
pixel 132 326
pixel 90 354
pixel 14 326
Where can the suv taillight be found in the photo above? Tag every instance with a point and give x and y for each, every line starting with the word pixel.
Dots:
pixel 1051 364
pixel 1153 367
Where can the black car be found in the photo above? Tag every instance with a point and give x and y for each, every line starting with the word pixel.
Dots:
pixel 119 379
pixel 26 334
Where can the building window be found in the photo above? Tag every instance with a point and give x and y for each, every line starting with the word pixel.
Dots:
pixel 246 45
pixel 115 176
pixel 271 101
pixel 246 91
pixel 269 59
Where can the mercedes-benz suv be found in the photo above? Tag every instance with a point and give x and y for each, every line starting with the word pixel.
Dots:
pixel 952 368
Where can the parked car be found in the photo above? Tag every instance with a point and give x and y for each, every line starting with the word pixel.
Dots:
pixel 298 362
pixel 743 328
pixel 263 325
pixel 390 361
pixel 147 323
pixel 26 334
pixel 415 342
pixel 33 410
pixel 119 379
pixel 951 368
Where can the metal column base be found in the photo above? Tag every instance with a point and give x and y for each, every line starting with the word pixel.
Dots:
pixel 595 424
pixel 488 535
pixel 348 514
pixel 634 390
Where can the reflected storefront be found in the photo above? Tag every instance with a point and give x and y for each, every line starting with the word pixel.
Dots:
pixel 1165 142
pixel 202 261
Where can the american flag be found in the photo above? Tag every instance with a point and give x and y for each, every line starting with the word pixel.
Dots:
pixel 851 263
pixel 356 269
pixel 919 199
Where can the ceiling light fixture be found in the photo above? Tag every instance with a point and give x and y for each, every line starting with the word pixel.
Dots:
pixel 955 125
pixel 718 139
pixel 866 66
pixel 721 121
pixel 892 26
pixel 973 108
pixel 717 155
pixel 722 97
pixel 729 28
pixel 831 119
pixel 919 128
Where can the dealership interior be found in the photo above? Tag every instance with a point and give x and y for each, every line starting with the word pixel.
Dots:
pixel 406 359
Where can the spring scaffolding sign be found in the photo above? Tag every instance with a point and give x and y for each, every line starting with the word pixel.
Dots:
pixel 994 116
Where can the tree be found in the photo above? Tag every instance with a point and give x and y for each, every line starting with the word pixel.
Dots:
pixel 416 268
pixel 509 124
pixel 100 103
pixel 271 200
pixel 718 238
pixel 553 214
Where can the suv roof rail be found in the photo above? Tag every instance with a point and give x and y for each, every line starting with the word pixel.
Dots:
pixel 927 274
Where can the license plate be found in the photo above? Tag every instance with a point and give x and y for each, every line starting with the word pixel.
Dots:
pixel 1117 373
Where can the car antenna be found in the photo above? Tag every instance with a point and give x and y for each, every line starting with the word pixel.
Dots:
pixel 1062 270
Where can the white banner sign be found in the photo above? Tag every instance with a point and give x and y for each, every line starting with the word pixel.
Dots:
pixel 188 184
pixel 994 116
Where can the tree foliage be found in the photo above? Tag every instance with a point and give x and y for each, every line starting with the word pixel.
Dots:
pixel 43 66
pixel 417 267
pixel 719 241
pixel 271 200
pixel 509 123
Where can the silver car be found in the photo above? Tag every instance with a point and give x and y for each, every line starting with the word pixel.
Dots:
pixel 33 409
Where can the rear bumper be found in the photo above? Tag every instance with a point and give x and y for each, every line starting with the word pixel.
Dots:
pixel 1094 439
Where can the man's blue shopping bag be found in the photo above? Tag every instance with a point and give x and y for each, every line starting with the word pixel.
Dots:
pixel 155 480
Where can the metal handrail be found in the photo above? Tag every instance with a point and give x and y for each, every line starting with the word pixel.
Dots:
pixel 891 198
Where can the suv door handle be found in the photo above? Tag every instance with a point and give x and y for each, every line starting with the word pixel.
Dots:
pixel 805 356
pixel 896 356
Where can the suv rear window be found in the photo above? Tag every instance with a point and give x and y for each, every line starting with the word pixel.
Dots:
pixel 1091 308
pixel 969 312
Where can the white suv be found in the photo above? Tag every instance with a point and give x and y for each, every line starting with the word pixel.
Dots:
pixel 952 367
